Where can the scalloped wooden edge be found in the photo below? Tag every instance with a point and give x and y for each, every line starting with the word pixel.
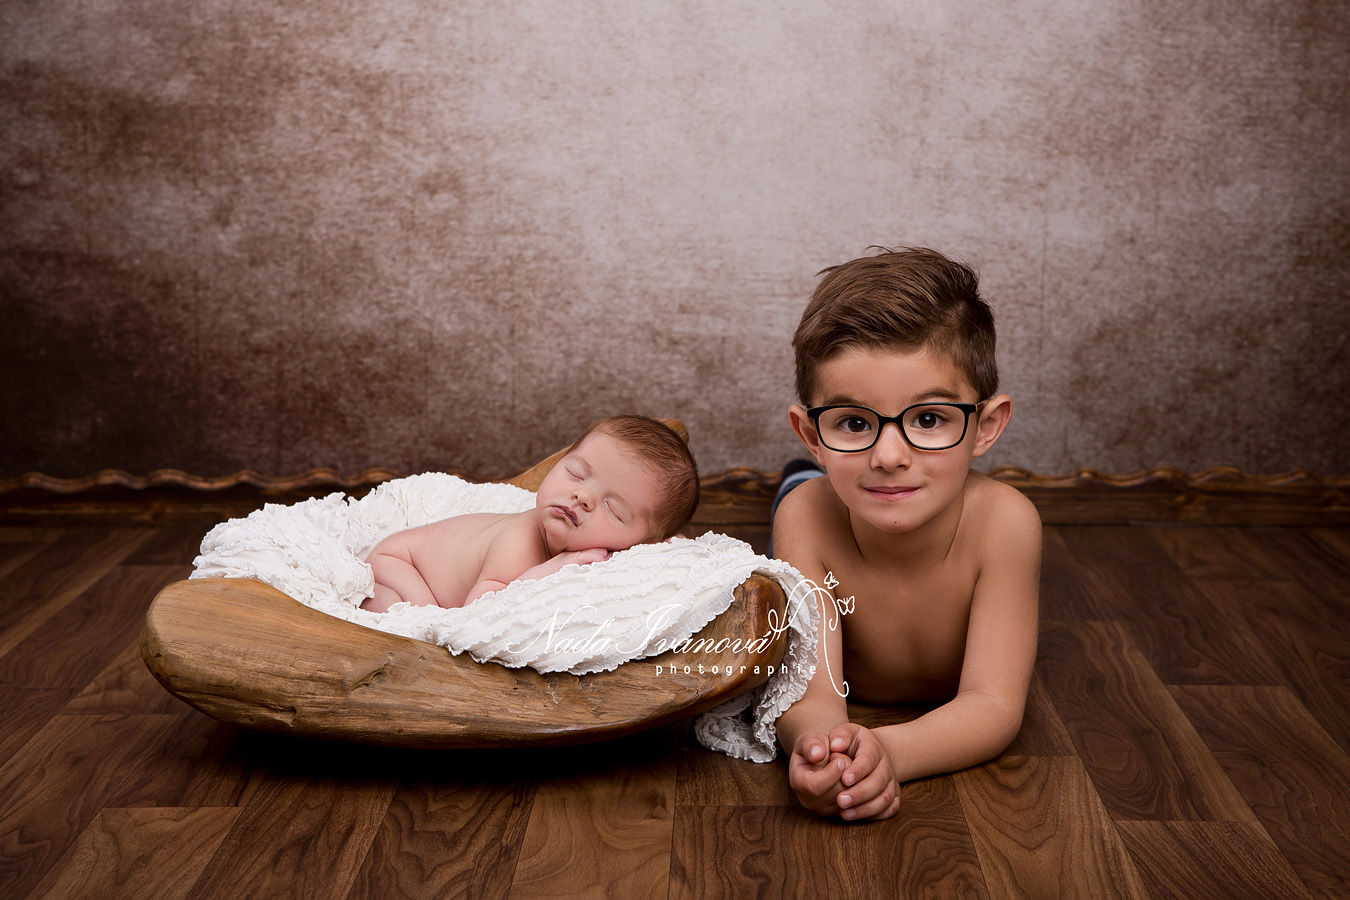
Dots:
pixel 1227 475
pixel 1222 495
pixel 310 478
pixel 740 475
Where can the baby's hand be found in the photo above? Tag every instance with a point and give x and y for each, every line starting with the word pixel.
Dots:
pixel 582 557
pixel 553 564
pixel 868 786
pixel 813 773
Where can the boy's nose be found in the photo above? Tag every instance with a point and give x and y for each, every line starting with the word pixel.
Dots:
pixel 891 450
pixel 583 500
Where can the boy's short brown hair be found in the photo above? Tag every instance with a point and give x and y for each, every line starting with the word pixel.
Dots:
pixel 660 447
pixel 904 299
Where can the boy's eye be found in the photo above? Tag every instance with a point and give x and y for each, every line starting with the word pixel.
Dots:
pixel 613 511
pixel 573 472
pixel 853 424
pixel 929 419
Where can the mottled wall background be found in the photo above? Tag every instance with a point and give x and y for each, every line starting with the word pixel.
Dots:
pixel 425 235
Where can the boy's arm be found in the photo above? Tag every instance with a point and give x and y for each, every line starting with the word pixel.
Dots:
pixel 986 713
pixel 804 728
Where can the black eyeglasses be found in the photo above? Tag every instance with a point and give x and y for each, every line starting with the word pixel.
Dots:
pixel 924 426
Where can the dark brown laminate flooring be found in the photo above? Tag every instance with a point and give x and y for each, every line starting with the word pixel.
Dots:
pixel 1186 736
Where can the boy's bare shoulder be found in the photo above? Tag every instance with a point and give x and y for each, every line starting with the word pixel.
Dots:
pixel 1000 515
pixel 812 515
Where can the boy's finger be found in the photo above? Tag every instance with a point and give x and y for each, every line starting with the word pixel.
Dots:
pixel 819 785
pixel 814 749
pixel 816 791
pixel 880 807
pixel 863 795
pixel 824 774
pixel 843 737
pixel 866 758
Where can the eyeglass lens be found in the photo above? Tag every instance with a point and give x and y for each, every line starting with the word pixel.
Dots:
pixel 934 426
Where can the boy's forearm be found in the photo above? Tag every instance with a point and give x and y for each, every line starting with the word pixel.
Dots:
pixel 969 730
pixel 809 716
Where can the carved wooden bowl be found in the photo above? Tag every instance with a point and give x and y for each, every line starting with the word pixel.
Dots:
pixel 243 652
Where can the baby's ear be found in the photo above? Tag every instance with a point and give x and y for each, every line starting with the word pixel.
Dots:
pixel 994 416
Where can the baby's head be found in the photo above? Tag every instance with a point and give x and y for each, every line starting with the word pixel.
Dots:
pixel 907 299
pixel 627 480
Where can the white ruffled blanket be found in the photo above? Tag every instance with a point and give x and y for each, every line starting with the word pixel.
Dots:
pixel 638 603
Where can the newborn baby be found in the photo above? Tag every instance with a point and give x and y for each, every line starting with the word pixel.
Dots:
pixel 627 480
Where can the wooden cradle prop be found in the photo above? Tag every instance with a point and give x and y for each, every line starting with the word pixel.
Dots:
pixel 245 653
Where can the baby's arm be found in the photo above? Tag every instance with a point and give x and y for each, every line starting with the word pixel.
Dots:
pixel 396 578
pixel 570 558
pixel 986 713
pixel 496 572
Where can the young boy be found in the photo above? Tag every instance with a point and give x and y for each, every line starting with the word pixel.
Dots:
pixel 627 480
pixel 897 380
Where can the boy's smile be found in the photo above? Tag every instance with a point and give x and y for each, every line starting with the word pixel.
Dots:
pixel 893 492
pixel 891 486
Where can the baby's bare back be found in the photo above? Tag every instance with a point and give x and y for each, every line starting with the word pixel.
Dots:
pixel 452 555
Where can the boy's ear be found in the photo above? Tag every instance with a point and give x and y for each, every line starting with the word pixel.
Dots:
pixel 993 419
pixel 805 431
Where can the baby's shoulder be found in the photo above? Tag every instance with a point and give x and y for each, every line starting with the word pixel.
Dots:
pixel 470 533
pixel 516 536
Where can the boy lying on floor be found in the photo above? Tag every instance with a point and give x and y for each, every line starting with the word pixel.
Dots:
pixel 627 480
pixel 935 564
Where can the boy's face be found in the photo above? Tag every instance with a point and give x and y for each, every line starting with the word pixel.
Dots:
pixel 600 495
pixel 892 486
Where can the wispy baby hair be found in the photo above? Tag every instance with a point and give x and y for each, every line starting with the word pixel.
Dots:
pixel 660 447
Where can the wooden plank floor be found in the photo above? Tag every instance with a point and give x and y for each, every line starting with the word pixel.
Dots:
pixel 1187 736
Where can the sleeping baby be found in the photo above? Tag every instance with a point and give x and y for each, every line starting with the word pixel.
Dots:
pixel 627 480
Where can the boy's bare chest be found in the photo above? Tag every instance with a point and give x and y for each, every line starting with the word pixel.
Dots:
pixel 905 634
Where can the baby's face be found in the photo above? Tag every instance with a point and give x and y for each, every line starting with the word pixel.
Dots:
pixel 600 495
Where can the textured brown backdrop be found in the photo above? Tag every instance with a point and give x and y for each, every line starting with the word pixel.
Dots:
pixel 284 235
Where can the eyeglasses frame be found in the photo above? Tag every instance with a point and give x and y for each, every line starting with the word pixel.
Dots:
pixel 814 414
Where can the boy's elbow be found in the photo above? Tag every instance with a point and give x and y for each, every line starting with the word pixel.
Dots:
pixel 1005 732
pixel 1006 723
pixel 1002 718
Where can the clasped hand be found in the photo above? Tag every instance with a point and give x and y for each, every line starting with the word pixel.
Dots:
pixel 847 773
